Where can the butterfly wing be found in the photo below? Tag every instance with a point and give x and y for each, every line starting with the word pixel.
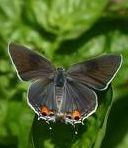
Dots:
pixel 29 64
pixel 77 97
pixel 32 66
pixel 42 93
pixel 96 73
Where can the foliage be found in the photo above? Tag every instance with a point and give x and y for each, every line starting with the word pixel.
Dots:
pixel 66 31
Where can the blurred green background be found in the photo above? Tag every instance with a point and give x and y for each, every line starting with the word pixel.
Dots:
pixel 66 32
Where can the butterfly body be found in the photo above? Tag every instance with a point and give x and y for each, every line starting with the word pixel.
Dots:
pixel 59 78
pixel 59 94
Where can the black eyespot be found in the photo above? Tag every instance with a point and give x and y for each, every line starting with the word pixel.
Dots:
pixel 76 118
pixel 44 113
pixel 51 114
pixel 69 117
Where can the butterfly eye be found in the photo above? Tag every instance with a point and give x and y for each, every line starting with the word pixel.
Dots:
pixel 76 115
pixel 44 110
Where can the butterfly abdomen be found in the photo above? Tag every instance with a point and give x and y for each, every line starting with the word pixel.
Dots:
pixel 59 96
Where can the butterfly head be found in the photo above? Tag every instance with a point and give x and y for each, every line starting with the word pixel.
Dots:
pixel 60 69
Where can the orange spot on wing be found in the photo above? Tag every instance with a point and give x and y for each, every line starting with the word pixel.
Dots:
pixel 44 110
pixel 76 115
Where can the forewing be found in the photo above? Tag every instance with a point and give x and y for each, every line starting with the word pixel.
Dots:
pixel 96 73
pixel 42 93
pixel 29 64
pixel 78 97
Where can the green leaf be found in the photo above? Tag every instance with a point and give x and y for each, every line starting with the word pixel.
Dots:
pixel 117 126
pixel 65 18
pixel 15 123
pixel 117 8
pixel 44 135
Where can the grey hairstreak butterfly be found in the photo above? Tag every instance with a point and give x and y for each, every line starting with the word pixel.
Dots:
pixel 56 93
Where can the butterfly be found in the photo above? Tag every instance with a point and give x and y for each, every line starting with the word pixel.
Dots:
pixel 59 94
